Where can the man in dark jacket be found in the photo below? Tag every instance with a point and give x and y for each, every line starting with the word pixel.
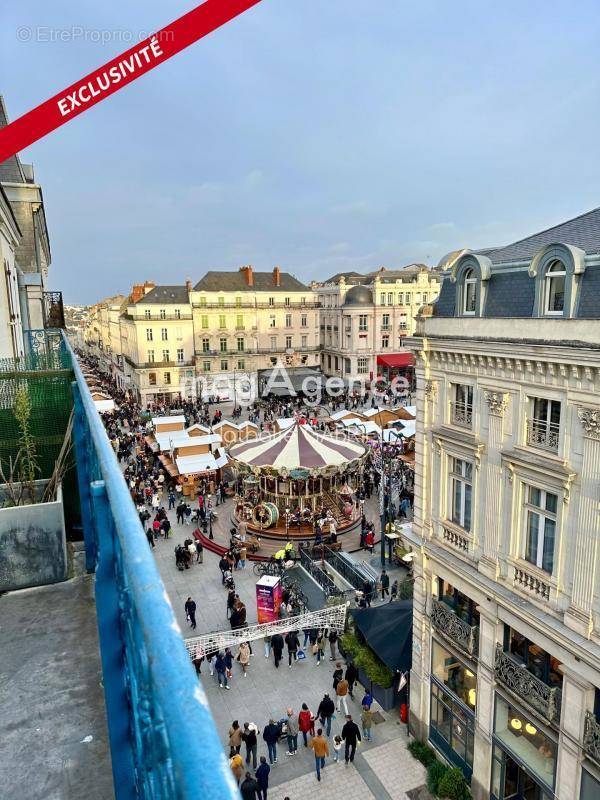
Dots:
pixel 293 643
pixel 351 676
pixel 262 778
pixel 271 736
pixel 350 735
pixel 325 712
pixel 190 610
pixel 248 788
pixel 251 742
pixel 384 580
pixel 277 647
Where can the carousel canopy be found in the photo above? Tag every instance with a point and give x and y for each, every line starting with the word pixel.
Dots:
pixel 297 448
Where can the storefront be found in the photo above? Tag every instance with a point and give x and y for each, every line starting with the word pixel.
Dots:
pixel 392 365
pixel 452 707
pixel 524 756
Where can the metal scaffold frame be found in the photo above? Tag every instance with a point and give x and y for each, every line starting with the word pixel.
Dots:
pixel 332 618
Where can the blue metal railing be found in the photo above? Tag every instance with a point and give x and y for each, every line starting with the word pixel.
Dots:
pixel 162 736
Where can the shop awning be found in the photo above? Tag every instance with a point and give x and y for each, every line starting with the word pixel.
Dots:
pixel 396 360
pixel 388 632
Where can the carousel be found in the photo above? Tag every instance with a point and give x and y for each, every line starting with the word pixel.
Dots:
pixel 289 481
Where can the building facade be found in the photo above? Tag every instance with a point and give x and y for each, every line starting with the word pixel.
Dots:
pixel 506 537
pixel 365 319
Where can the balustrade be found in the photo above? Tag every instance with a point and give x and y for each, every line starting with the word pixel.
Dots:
pixel 543 434
pixel 591 737
pixel 532 583
pixel 545 699
pixel 444 619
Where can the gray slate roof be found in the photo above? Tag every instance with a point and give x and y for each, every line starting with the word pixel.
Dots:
pixel 228 281
pixel 166 295
pixel 582 231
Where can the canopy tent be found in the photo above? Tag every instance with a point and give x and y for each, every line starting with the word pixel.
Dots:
pixel 297 448
pixel 396 360
pixel 387 629
pixel 204 462
pixel 104 405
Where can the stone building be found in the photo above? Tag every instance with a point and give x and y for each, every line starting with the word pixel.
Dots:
pixel 506 538
pixel 365 319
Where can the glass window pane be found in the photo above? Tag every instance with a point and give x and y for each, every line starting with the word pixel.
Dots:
pixel 531 545
pixel 548 549
pixel 535 496
pixel 551 502
pixel 467 520
pixel 523 737
pixel 457 501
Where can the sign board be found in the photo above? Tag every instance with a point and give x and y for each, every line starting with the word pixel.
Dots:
pixel 268 598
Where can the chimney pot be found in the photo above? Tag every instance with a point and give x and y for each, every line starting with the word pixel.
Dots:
pixel 277 276
pixel 188 285
pixel 247 270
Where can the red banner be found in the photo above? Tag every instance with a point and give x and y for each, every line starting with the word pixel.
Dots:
pixel 118 73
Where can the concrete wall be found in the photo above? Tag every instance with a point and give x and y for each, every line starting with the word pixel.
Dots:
pixel 33 548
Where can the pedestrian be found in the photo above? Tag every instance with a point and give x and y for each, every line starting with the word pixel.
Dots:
pixel 199 552
pixel 333 637
pixel 235 738
pixel 224 567
pixel 325 712
pixel 292 733
pixel 320 645
pixel 341 691
pixel 367 699
pixel 267 641
pixel 262 778
pixel 192 551
pixel 338 673
pixel 293 643
pixel 249 737
pixel 351 676
pixel 337 746
pixel 395 589
pixel 306 723
pixel 150 537
pixel 190 612
pixel 271 737
pixel 187 512
pixel 231 600
pixel 237 767
pixel 180 512
pixel 249 787
pixel 277 647
pixel 320 747
pixel 243 656
pixel 350 735
pixel 366 719
pixel 243 555
pixel 221 670
pixel 384 580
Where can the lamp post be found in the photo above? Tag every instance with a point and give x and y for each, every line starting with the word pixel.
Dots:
pixel 287 521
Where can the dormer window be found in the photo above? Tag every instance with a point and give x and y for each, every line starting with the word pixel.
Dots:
pixel 469 292
pixel 554 289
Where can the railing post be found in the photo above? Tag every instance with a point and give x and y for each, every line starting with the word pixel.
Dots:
pixel 111 648
pixel 84 477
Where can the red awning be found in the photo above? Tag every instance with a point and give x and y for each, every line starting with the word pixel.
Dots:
pixel 396 360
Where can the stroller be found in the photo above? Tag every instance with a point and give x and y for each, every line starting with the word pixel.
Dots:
pixel 229 582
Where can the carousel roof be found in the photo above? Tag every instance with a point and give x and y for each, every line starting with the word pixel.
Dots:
pixel 298 447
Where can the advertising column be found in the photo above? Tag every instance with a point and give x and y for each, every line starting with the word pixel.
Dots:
pixel 268 598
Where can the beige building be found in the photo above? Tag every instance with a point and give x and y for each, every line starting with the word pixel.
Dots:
pixel 505 681
pixel 364 319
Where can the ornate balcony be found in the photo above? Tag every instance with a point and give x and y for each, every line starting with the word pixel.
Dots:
pixel 462 414
pixel 591 737
pixel 543 434
pixel 452 626
pixel 546 700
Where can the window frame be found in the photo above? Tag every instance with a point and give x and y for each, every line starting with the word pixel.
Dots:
pixel 544 515
pixel 462 480
pixel 549 277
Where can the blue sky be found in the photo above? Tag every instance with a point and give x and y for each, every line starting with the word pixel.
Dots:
pixel 320 135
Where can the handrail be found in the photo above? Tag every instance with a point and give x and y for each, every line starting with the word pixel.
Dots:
pixel 163 739
pixel 319 575
pixel 354 576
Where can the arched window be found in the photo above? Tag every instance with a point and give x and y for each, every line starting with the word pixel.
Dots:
pixel 469 292
pixel 554 288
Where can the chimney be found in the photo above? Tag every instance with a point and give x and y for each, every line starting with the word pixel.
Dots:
pixel 137 292
pixel 148 286
pixel 248 275
pixel 277 276
pixel 188 284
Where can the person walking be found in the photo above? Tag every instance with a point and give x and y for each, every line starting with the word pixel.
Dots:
pixel 243 656
pixel 262 778
pixel 351 676
pixel 292 733
pixel 320 645
pixel 271 737
pixel 350 735
pixel 199 552
pixel 190 612
pixel 235 738
pixel 249 737
pixel 221 670
pixel 243 556
pixel 277 647
pixel 333 638
pixel 293 643
pixel 320 747
pixel 337 746
pixel 306 723
pixel 384 580
pixel 341 691
pixel 325 712
pixel 237 767
pixel 338 673
pixel 367 699
pixel 267 643
pixel 366 719
pixel 248 787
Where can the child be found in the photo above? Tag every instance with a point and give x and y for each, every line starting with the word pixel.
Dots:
pixel 337 746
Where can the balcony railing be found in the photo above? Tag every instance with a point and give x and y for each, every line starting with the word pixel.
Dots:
pixel 248 306
pixel 456 539
pixel 162 737
pixel 591 737
pixel 546 700
pixel 163 364
pixel 532 583
pixel 543 434
pixel 462 414
pixel 157 317
pixel 444 619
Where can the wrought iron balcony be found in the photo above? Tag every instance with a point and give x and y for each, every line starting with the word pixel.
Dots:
pixel 591 737
pixel 462 414
pixel 546 700
pixel 543 434
pixel 445 620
